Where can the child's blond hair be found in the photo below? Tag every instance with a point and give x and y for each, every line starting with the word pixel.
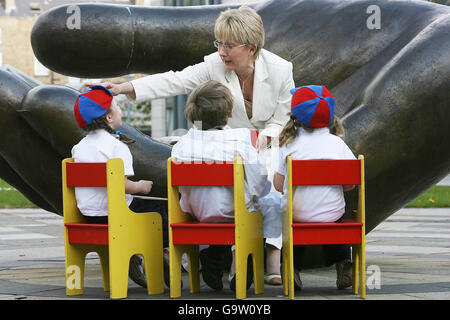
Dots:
pixel 291 129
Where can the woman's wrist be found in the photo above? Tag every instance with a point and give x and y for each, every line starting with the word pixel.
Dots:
pixel 128 89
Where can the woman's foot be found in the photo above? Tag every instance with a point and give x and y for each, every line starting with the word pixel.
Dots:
pixel 273 266
pixel 273 279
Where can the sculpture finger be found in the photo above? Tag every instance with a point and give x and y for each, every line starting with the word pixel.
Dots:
pixel 36 166
pixel 402 126
pixel 129 38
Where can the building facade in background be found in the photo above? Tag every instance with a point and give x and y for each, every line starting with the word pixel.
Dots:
pixel 158 118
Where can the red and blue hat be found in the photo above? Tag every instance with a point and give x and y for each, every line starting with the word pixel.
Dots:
pixel 92 104
pixel 313 106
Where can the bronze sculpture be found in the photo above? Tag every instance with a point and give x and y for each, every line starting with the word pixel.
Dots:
pixel 392 85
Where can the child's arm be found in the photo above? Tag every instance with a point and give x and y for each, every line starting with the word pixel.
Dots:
pixel 348 187
pixel 141 186
pixel 278 182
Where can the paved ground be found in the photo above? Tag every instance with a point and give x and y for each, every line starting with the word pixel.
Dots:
pixel 408 258
pixel 444 182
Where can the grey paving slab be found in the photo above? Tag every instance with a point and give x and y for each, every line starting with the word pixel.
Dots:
pixel 408 258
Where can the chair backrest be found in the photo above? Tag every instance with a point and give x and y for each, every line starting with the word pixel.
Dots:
pixel 204 173
pixel 92 174
pixel 198 173
pixel 326 172
pixel 201 173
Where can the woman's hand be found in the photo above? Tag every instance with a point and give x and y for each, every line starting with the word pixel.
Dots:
pixel 278 182
pixel 116 89
pixel 262 142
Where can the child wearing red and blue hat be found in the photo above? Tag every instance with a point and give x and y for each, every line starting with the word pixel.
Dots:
pixel 97 113
pixel 314 132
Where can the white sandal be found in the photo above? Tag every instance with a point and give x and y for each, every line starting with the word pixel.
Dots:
pixel 273 279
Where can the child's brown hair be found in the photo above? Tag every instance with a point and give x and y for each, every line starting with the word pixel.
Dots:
pixel 211 103
pixel 101 123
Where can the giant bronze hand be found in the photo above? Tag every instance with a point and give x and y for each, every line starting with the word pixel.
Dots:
pixel 38 131
pixel 392 85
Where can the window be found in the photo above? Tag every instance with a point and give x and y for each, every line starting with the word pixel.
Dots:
pixel 39 69
pixel 73 80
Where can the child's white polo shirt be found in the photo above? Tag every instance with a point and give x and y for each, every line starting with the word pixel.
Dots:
pixel 99 146
pixel 315 203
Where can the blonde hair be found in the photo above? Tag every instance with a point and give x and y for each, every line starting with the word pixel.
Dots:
pixel 240 25
pixel 210 103
pixel 291 129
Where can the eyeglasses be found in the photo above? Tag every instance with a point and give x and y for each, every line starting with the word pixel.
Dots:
pixel 227 47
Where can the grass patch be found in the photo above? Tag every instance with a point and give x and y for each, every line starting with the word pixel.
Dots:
pixel 435 197
pixel 11 198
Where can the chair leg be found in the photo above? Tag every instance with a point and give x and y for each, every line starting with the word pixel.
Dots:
pixel 119 266
pixel 285 270
pixel 355 267
pixel 258 269
pixel 241 274
pixel 175 253
pixel 75 264
pixel 194 268
pixel 154 269
pixel 362 276
pixel 103 252
pixel 288 270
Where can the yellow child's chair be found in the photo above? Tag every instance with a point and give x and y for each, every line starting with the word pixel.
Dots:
pixel 126 234
pixel 351 231
pixel 185 234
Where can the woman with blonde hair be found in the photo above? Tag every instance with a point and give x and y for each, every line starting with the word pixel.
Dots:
pixel 258 80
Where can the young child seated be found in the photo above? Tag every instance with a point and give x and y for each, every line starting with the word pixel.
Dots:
pixel 208 108
pixel 97 113
pixel 314 132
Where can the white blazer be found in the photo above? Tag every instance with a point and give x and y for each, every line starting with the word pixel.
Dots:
pixel 271 96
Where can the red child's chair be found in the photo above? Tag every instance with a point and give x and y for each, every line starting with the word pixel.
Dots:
pixel 185 234
pixel 325 172
pixel 126 234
